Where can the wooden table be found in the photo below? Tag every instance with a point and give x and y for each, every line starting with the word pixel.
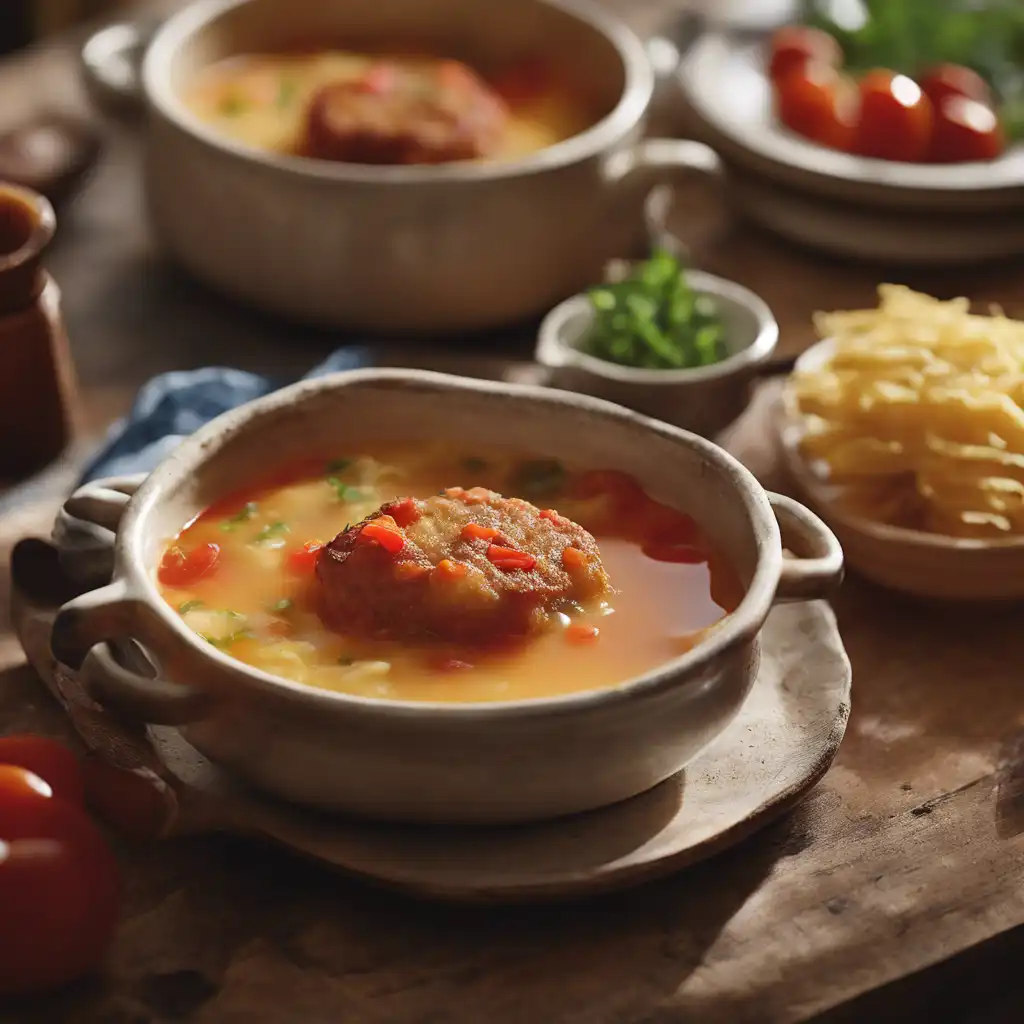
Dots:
pixel 953 775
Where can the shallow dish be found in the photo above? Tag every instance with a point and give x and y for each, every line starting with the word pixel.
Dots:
pixel 724 82
pixel 426 761
pixel 705 399
pixel 459 246
pixel 913 561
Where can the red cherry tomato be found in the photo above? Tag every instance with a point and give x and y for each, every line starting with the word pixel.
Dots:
pixel 180 568
pixel 965 130
pixel 796 46
pixel 895 118
pixel 946 80
pixel 48 759
pixel 821 105
pixel 58 887
pixel 122 800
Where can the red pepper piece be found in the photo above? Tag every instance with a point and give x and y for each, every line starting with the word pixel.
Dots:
pixel 508 559
pixel 180 568
pixel 304 559
pixel 387 536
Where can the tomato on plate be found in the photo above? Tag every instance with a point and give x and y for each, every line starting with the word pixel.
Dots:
pixel 179 568
pixel 795 46
pixel 944 81
pixel 965 130
pixel 50 760
pixel 58 887
pixel 820 104
pixel 895 118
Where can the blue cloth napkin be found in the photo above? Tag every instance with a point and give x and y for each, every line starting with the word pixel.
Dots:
pixel 174 405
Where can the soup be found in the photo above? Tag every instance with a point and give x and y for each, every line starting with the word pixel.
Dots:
pixel 607 587
pixel 384 109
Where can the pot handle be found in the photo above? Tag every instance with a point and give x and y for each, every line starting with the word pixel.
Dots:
pixel 111 67
pixel 812 575
pixel 123 679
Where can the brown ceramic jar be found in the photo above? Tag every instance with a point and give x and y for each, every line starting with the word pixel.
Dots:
pixel 36 375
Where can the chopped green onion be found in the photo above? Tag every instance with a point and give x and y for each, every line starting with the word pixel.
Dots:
pixel 232 105
pixel 538 478
pixel 189 606
pixel 283 605
pixel 271 531
pixel 243 515
pixel 345 491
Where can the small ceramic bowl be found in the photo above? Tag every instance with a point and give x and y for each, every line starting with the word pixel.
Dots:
pixel 705 400
pixel 912 561
pixel 422 761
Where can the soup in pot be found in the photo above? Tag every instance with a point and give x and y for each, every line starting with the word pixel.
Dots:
pixel 419 573
pixel 386 109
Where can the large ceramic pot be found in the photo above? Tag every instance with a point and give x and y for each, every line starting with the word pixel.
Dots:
pixel 414 248
pixel 449 762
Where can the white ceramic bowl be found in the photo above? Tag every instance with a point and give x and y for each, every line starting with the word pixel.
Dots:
pixel 918 563
pixel 454 247
pixel 436 761
pixel 705 400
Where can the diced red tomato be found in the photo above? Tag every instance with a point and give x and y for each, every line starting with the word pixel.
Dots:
pixel 895 118
pixel 304 559
pixel 795 46
pixel 551 514
pixel 474 531
pixel 965 130
pixel 404 512
pixel 59 887
pixel 683 554
pixel 581 633
pixel 54 763
pixel 383 531
pixel 948 80
pixel 508 559
pixel 573 558
pixel 180 568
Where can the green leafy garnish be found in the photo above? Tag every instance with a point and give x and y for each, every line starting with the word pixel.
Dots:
pixel 538 478
pixel 270 531
pixel 189 606
pixel 345 492
pixel 653 320
pixel 232 105
pixel 283 605
pixel 243 515
pixel 222 643
pixel 338 466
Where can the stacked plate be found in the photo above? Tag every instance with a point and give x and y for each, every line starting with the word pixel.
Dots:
pixel 849 205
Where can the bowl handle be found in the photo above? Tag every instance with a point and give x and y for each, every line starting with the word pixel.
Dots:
pixel 111 64
pixel 820 571
pixel 124 679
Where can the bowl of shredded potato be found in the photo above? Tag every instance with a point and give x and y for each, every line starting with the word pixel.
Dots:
pixel 904 427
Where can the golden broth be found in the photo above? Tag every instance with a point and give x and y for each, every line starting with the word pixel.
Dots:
pixel 261 100
pixel 256 604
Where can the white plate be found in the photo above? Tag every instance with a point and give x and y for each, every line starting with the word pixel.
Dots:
pixel 727 89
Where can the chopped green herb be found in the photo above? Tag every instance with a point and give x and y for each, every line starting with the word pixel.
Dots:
pixel 338 465
pixel 286 93
pixel 474 464
pixel 243 515
pixel 271 531
pixel 653 320
pixel 232 105
pixel 538 478
pixel 222 643
pixel 345 491
pixel 283 605
pixel 189 606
